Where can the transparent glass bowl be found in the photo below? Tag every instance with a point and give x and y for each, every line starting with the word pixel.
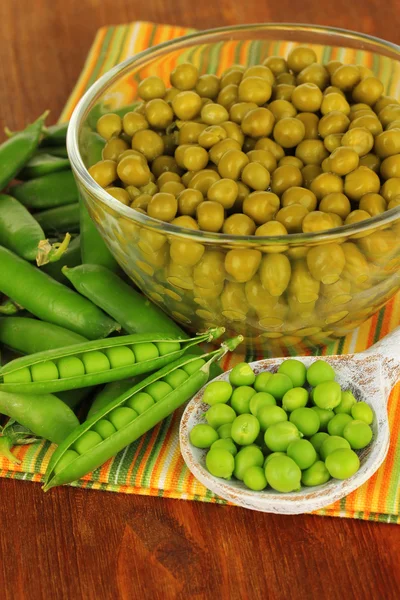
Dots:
pixel 198 295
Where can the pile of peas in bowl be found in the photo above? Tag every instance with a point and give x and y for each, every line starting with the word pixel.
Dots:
pixel 288 429
pixel 262 198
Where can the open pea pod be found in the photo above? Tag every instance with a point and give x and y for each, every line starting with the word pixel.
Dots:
pixel 92 363
pixel 132 414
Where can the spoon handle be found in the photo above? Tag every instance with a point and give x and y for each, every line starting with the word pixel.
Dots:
pixel 387 350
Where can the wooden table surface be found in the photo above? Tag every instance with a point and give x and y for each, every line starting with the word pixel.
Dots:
pixel 73 544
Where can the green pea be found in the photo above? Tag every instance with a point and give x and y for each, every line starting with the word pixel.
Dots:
pixel 324 415
pixel 224 431
pixel 270 415
pixel 87 441
pixel 217 392
pixel 306 421
pixel 140 402
pixel 220 463
pixel 70 366
pixel 242 374
pixel 104 428
pixel 95 361
pixel 259 400
pixel 317 474
pixel 279 436
pixel 121 356
pixel 193 366
pixel 334 442
pixel 226 444
pixel 358 434
pixel 245 429
pixel 318 439
pixel 176 378
pixel 261 381
pixel 240 400
pixel 346 402
pixel 342 463
pixel 327 395
pixel 361 411
pixel 297 397
pixel 282 474
pixel 338 423
pixel 303 453
pixel 254 478
pixel 167 347
pixel 249 456
pixel 45 371
pixel 203 436
pixel 68 457
pixel 21 376
pixel 145 351
pixel 121 416
pixel 295 370
pixel 158 390
pixel 319 372
pixel 271 456
pixel 278 385
pixel 220 414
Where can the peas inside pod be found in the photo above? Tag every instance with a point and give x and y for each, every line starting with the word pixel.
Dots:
pixel 286 436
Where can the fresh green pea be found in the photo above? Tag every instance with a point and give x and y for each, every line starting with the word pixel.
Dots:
pixel 327 395
pixel 303 453
pixel 145 351
pixel 240 400
pixel 318 439
pixel 279 436
pixel 271 456
pixel 342 463
pixel 319 372
pixel 167 347
pixel 295 370
pixel 324 415
pixel 194 366
pixel 220 463
pixel 306 421
pixel 254 478
pixel 297 397
pixel 220 414
pixel 224 431
pixel 45 371
pixel 121 416
pixel 158 390
pixel 95 361
pixel 332 443
pixel 259 400
pixel 317 474
pixel 242 374
pixel 278 385
pixel 358 434
pixel 203 436
pixel 87 441
pixel 226 444
pixel 269 415
pixel 176 378
pixel 21 376
pixel 67 458
pixel 338 423
pixel 261 381
pixel 217 392
pixel 245 429
pixel 282 474
pixel 70 366
pixel 361 411
pixel 140 402
pixel 346 402
pixel 249 456
pixel 121 356
pixel 104 428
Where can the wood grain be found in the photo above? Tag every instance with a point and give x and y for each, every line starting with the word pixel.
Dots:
pixel 77 544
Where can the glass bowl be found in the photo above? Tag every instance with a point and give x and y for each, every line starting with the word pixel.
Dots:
pixel 199 294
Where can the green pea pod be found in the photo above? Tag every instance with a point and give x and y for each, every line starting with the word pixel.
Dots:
pixel 29 336
pixel 70 258
pixel 18 375
pixel 49 300
pixel 49 191
pixel 17 150
pixel 19 231
pixel 109 392
pixel 60 151
pixel 43 164
pixel 55 135
pixel 67 465
pixel 93 248
pixel 92 148
pixel 60 219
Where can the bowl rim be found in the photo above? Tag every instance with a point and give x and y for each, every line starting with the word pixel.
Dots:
pixel 100 86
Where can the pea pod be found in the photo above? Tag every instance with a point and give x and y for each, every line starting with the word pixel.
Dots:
pixel 60 151
pixel 17 150
pixel 43 164
pixel 49 300
pixel 70 258
pixel 93 248
pixel 56 135
pixel 49 191
pixel 60 219
pixel 109 392
pixel 19 231
pixel 29 336
pixel 92 148
pixel 92 363
pixel 117 425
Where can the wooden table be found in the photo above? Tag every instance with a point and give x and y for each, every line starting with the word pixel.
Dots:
pixel 73 544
